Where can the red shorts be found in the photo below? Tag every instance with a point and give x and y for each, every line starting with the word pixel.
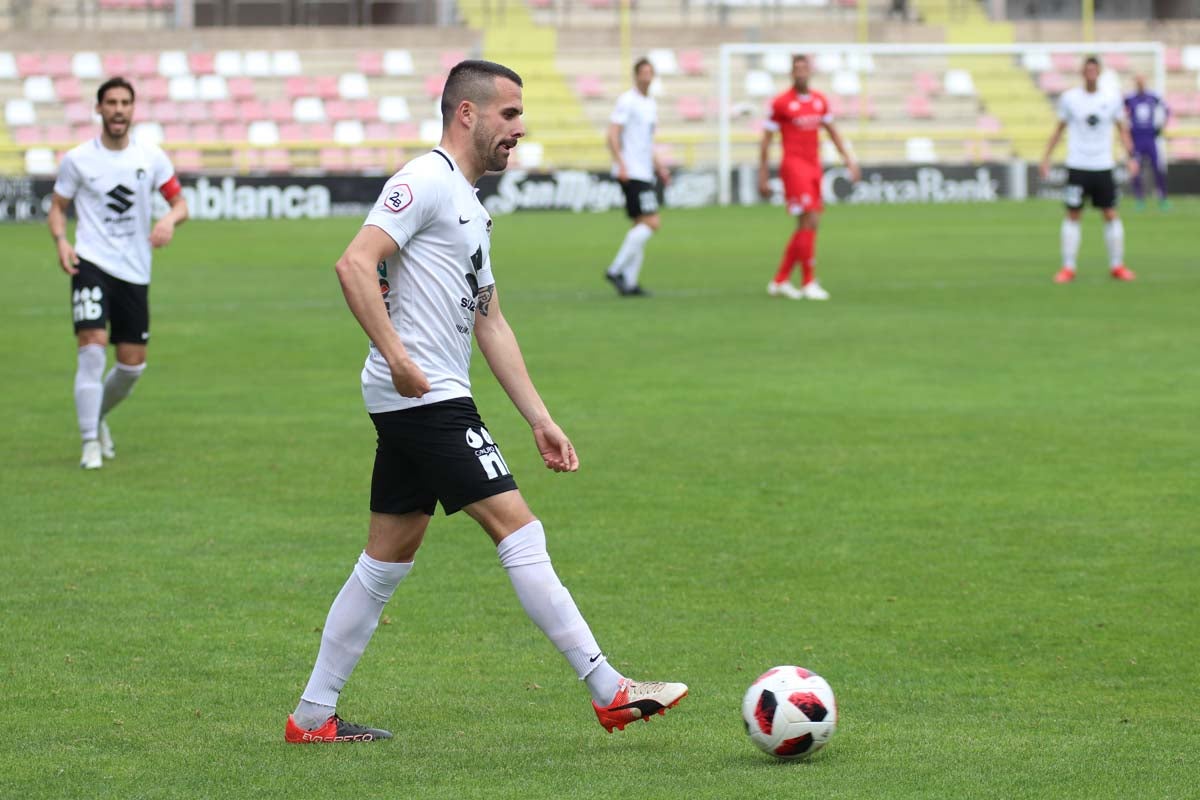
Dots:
pixel 801 186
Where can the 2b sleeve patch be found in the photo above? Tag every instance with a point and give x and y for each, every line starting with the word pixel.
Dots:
pixel 397 198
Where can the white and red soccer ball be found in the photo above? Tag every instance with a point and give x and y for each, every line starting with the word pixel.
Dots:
pixel 789 712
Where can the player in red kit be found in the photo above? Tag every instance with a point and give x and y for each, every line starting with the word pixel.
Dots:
pixel 799 114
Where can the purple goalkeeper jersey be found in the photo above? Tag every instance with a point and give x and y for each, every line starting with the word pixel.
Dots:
pixel 1147 115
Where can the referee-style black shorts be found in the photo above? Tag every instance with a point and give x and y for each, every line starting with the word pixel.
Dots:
pixel 1098 185
pixel 641 198
pixel 98 300
pixel 439 453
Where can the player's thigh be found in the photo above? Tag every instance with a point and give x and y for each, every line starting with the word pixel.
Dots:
pixel 396 537
pixel 129 313
pixel 1103 190
pixel 1075 192
pixel 90 300
pixel 398 485
pixel 501 514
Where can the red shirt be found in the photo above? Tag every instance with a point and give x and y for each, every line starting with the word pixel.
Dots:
pixel 798 118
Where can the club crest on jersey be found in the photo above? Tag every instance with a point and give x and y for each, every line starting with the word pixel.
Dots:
pixel 397 198
pixel 141 173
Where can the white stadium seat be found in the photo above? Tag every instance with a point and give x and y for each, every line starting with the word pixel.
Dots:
pixel 148 133
pixel 777 62
pixel 212 87
pixel 263 133
pixel 8 66
pixel 285 64
pixel 40 89
pixel 87 66
pixel 919 150
pixel 19 112
pixel 40 161
pixel 1036 61
pixel 182 88
pixel 530 155
pixel 431 130
pixel 256 63
pixel 173 63
pixel 353 86
pixel 348 131
pixel 958 83
pixel 664 61
pixel 846 83
pixel 759 83
pixel 1190 56
pixel 394 109
pixel 308 109
pixel 860 62
pixel 828 62
pixel 228 63
pixel 397 62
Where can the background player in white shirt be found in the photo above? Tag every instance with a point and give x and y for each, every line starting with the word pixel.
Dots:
pixel 1088 115
pixel 631 141
pixel 425 247
pixel 111 180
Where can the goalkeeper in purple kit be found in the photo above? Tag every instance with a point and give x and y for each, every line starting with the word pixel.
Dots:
pixel 1147 117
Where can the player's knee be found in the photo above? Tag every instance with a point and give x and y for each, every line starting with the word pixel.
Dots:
pixel 653 222
pixel 92 336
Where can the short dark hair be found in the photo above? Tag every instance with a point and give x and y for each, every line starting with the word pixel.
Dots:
pixel 473 80
pixel 114 83
pixel 641 62
pixel 798 58
pixel 1091 60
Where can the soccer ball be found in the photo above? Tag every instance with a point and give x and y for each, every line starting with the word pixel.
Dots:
pixel 789 712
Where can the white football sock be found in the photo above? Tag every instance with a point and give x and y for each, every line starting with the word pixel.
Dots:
pixel 1114 237
pixel 551 607
pixel 118 384
pixel 1070 237
pixel 89 390
pixel 352 619
pixel 639 234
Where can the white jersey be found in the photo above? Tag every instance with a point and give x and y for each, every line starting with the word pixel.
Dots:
pixel 637 114
pixel 430 285
pixel 1090 117
pixel 113 192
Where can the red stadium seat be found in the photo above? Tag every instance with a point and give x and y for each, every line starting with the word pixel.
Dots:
pixel 1053 83
pixel 691 108
pixel 1066 62
pixel 143 65
pixel 366 110
pixel 225 111
pixel 27 135
pixel 338 110
pixel 194 111
pixel 927 83
pixel 918 106
pixel 201 63
pixel 451 57
pixel 589 85
pixel 30 64
pixel 83 132
pixel 1117 61
pixel 292 132
pixel 177 132
pixel 115 63
pixel 68 89
pixel 241 88
pixel 232 132
pixel 324 87
pixel 1174 59
pixel 691 62
pixel 318 132
pixel 434 85
pixel 207 132
pixel 152 89
pixel 78 113
pixel 57 65
pixel 370 63
pixel 165 112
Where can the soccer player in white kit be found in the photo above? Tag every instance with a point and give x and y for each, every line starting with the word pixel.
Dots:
pixel 631 141
pixel 111 179
pixel 425 248
pixel 1088 115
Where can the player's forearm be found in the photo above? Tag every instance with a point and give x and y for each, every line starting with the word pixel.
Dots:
pixel 178 214
pixel 764 151
pixel 360 286
pixel 499 346
pixel 56 219
pixel 1053 143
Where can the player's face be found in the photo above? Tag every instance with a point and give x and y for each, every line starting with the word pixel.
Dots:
pixel 499 126
pixel 644 77
pixel 801 72
pixel 1091 74
pixel 116 111
pixel 1140 83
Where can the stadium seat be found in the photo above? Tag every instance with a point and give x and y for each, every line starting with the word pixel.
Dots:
pixel 207 132
pixel 958 83
pixel 927 83
pixel 177 132
pixel 40 161
pixel 308 109
pixel 826 62
pixel 324 87
pixel 86 66
pixel 83 131
pixel 181 88
pixel 256 64
pixel 449 58
pixel 279 110
pixel 366 110
pixel 1174 59
pixel 318 132
pixel 212 87
pixel 285 63
pixel 68 90
pixel 430 130
pixel 143 65
pixel 846 83
pixel 397 63
pixel 57 134
pixel 39 89
pixel 78 113
pixel 777 62
pixel 664 61
pixel 860 62
pixel 692 62
pixel 1117 61
pixel 233 132
pixel 1066 62
pixel 262 133
pixel 338 110
pixel 201 63
pixel 691 108
pixel 988 124
pixel 173 63
pixel 918 106
pixel 165 112
pixel 349 131
pixel 1052 83
pixel 353 86
pixel 296 87
pixel 57 65
pixel 28 135
pixel 1036 61
pixel 292 132
pixel 333 159
pixel 588 86
pixel 29 64
pixel 394 109
pixel 115 64
pixel 8 66
pixel 759 83
pixel 152 89
pixel 148 132
pixel 194 111
pixel 228 63
pixel 240 88
pixel 530 155
pixel 433 85
pixel 920 150
pixel 187 160
pixel 1190 58
pixel 370 63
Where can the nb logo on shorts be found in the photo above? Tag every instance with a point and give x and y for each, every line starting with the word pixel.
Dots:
pixel 85 303
pixel 488 454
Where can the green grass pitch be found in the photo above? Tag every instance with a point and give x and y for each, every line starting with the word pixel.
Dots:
pixel 964 495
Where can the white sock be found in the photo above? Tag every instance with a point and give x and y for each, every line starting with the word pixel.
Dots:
pixel 1070 237
pixel 551 607
pixel 118 384
pixel 89 389
pixel 639 234
pixel 352 619
pixel 1114 237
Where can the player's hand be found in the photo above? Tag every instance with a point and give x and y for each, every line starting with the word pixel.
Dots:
pixel 855 172
pixel 764 184
pixel 408 379
pixel 557 451
pixel 1044 169
pixel 622 173
pixel 1134 167
pixel 67 260
pixel 664 175
pixel 163 231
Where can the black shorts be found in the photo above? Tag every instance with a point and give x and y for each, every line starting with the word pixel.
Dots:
pixel 1086 183
pixel 98 300
pixel 436 453
pixel 641 198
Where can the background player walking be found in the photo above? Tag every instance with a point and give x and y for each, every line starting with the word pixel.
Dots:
pixel 631 141
pixel 426 247
pixel 1088 115
pixel 1148 116
pixel 798 115
pixel 111 179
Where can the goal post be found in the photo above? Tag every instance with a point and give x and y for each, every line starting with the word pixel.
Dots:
pixel 743 58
